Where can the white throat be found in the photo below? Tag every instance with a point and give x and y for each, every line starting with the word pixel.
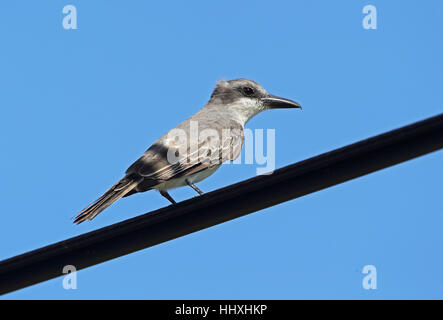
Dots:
pixel 244 110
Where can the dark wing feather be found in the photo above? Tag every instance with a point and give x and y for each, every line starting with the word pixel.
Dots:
pixel 199 155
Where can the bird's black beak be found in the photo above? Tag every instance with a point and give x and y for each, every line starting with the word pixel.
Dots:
pixel 274 102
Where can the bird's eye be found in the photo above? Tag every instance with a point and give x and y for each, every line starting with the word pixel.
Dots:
pixel 248 91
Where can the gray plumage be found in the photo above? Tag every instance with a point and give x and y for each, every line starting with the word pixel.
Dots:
pixel 231 105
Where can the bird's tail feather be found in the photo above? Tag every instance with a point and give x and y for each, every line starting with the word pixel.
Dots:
pixel 114 193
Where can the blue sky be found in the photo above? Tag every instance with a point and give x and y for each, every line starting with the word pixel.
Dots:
pixel 79 106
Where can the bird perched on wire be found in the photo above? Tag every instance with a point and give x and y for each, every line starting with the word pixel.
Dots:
pixel 197 147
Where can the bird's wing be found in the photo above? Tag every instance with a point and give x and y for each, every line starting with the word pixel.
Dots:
pixel 167 159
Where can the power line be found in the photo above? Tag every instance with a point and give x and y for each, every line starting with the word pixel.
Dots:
pixel 222 205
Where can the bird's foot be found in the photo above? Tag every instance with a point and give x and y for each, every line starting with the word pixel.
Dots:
pixel 167 196
pixel 193 186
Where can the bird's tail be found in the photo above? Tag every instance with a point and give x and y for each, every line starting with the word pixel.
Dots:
pixel 117 191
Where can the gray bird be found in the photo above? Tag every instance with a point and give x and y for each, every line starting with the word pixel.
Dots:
pixel 178 159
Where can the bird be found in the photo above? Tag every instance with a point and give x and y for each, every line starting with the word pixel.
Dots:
pixel 176 159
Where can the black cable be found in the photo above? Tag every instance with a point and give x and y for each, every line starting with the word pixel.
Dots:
pixel 228 203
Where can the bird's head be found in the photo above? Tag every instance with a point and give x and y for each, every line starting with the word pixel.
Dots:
pixel 247 98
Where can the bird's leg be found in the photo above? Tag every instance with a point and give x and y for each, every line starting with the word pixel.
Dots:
pixel 167 196
pixel 193 186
